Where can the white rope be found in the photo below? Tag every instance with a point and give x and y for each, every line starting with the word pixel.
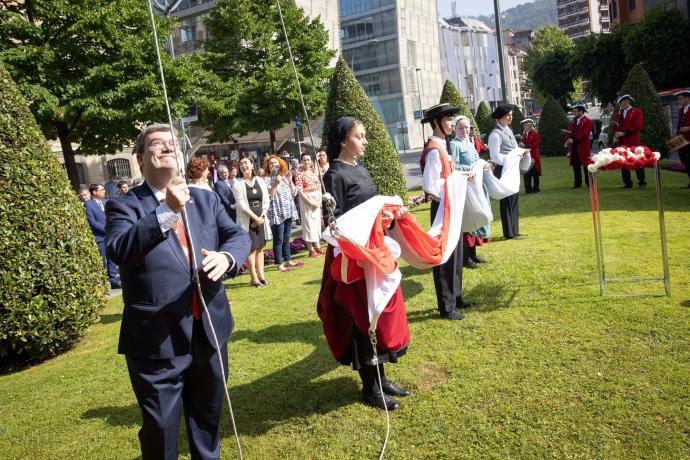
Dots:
pixel 195 272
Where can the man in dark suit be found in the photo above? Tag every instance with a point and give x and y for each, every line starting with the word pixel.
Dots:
pixel 683 128
pixel 173 357
pixel 95 214
pixel 223 188
pixel 627 127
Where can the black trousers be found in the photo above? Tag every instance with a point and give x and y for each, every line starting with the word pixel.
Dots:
pixel 448 277
pixel 684 155
pixel 627 179
pixel 167 388
pixel 531 181
pixel 579 171
pixel 509 211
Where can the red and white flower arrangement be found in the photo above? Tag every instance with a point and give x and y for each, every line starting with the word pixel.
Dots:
pixel 623 158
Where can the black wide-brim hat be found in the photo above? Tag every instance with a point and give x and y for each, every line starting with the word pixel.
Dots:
pixel 501 111
pixel 439 111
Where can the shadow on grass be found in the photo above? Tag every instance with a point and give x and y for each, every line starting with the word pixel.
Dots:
pixel 112 318
pixel 685 303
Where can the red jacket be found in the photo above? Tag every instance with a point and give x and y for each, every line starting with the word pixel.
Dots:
pixel 532 140
pixel 579 133
pixel 685 122
pixel 479 145
pixel 631 125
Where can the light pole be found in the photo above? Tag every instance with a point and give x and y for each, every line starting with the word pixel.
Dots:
pixel 419 98
pixel 499 40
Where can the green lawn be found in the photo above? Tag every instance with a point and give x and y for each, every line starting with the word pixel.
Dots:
pixel 542 367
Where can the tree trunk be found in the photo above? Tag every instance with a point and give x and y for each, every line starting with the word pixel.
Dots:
pixel 68 154
pixel 272 133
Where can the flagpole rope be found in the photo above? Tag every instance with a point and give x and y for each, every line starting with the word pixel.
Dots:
pixel 188 231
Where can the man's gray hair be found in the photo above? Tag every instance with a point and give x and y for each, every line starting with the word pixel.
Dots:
pixel 223 168
pixel 140 143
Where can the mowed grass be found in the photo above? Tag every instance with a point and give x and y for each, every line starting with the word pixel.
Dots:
pixel 542 367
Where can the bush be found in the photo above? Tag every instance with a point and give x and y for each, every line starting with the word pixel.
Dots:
pixel 516 124
pixel 53 285
pixel 484 121
pixel 553 120
pixel 452 96
pixel 347 98
pixel 655 123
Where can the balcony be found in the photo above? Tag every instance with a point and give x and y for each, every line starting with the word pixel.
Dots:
pixel 574 23
pixel 603 7
pixel 568 2
pixel 562 14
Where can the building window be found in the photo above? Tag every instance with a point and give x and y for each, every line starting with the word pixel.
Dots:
pixel 119 168
pixel 411 53
pixel 80 172
pixel 631 4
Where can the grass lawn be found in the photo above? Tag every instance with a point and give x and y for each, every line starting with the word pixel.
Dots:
pixel 542 367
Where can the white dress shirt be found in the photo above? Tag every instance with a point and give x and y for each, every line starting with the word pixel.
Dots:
pixel 432 183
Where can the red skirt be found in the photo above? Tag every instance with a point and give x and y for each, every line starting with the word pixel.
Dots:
pixel 343 308
pixel 469 240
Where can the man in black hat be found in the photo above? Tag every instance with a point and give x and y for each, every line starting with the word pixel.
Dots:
pixel 580 147
pixel 684 128
pixel 436 166
pixel 627 128
pixel 501 142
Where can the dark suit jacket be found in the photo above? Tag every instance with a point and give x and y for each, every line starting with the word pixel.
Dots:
pixel 156 278
pixel 96 219
pixel 227 198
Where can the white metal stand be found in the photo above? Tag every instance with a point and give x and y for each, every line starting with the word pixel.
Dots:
pixel 598 243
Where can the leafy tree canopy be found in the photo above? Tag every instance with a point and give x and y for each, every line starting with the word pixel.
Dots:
pixel 546 40
pixel 88 70
pixel 552 75
pixel 254 87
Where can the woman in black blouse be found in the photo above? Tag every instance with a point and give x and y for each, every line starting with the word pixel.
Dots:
pixel 342 306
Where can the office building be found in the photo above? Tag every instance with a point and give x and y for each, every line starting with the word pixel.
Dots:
pixel 392 47
pixel 579 18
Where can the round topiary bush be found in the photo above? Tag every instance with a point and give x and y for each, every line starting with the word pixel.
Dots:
pixel 553 120
pixel 53 284
pixel 452 96
pixel 485 123
pixel 347 98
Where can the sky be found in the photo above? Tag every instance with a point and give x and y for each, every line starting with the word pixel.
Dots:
pixel 474 7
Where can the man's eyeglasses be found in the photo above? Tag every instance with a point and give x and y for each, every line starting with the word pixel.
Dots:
pixel 159 144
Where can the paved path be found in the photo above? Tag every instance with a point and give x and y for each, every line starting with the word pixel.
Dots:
pixel 410 164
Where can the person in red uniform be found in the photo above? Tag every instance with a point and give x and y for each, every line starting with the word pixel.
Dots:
pixel 478 144
pixel 627 127
pixel 684 128
pixel 578 141
pixel 531 141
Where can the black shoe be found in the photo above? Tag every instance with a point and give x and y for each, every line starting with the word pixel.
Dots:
pixel 471 264
pixel 393 390
pixel 627 186
pixel 465 305
pixel 577 186
pixel 115 285
pixel 454 315
pixel 380 401
pixel 643 186
pixel 478 260
pixel 536 190
pixel 516 237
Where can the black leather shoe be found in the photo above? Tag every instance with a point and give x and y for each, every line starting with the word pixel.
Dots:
pixel 478 260
pixel 380 401
pixel 627 186
pixel 471 264
pixel 643 186
pixel 453 315
pixel 393 390
pixel 466 305
pixel 115 285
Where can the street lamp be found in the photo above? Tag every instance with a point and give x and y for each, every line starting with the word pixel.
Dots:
pixel 419 97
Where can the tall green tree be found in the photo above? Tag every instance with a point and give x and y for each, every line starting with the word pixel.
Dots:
pixel 483 116
pixel 599 59
pixel 347 98
pixel 88 70
pixel 552 75
pixel 452 96
pixel 551 125
pixel 546 40
pixel 249 56
pixel 52 283
pixel 659 40
pixel 655 125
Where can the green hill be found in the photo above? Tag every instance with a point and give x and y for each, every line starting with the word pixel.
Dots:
pixel 532 16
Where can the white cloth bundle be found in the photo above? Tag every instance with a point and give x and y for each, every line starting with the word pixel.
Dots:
pixel 477 212
pixel 509 183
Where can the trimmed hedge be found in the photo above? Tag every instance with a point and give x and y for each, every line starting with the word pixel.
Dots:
pixel 516 124
pixel 452 96
pixel 347 98
pixel 484 121
pixel 553 120
pixel 655 124
pixel 52 285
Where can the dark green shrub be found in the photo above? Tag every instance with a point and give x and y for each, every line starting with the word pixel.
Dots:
pixel 347 98
pixel 452 96
pixel 52 284
pixel 553 120
pixel 515 125
pixel 655 124
pixel 485 123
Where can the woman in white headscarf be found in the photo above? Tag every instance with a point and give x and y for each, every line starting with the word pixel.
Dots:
pixel 465 156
